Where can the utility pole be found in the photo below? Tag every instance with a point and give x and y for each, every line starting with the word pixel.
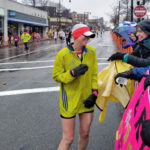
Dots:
pixel 138 19
pixel 131 10
pixel 119 13
pixel 143 4
pixel 59 15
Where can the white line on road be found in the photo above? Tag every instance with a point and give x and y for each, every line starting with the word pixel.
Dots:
pixel 31 68
pixel 103 64
pixel 32 62
pixel 34 68
pixel 27 62
pixel 106 45
pixel 102 58
pixel 16 56
pixel 29 91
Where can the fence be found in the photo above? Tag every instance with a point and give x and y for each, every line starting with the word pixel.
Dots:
pixel 120 41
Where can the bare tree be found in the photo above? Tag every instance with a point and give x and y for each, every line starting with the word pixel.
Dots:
pixel 125 9
pixel 30 2
pixel 114 17
pixel 43 2
pixel 35 3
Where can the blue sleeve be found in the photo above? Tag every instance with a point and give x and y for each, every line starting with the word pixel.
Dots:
pixel 139 72
pixel 128 45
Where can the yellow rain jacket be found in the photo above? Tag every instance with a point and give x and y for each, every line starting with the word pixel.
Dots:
pixel 25 37
pixel 108 90
pixel 74 90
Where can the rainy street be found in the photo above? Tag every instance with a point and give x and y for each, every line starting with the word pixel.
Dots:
pixel 29 99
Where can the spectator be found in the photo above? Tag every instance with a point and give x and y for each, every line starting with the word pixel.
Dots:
pixel 16 39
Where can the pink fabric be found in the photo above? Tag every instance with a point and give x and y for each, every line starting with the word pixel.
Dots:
pixel 95 93
pixel 130 126
pixel 16 38
pixel 78 32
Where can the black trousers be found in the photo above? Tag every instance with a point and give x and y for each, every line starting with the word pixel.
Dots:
pixel 16 44
pixel 26 46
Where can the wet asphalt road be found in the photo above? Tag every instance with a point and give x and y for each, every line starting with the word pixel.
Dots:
pixel 31 121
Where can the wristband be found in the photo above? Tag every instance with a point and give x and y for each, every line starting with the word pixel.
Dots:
pixel 95 93
pixel 125 57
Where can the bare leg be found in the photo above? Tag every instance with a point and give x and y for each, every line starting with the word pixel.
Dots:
pixel 85 123
pixel 68 127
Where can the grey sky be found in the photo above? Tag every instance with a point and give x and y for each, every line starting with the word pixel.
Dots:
pixel 98 8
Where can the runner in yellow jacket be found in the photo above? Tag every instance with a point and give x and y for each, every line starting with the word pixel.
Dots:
pixel 76 70
pixel 25 38
pixel 74 90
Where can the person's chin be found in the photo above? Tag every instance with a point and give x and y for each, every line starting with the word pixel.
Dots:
pixel 85 43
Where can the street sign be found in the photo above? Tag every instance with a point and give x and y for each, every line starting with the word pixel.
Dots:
pixel 140 11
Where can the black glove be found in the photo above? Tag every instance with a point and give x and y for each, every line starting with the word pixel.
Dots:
pixel 90 101
pixel 116 56
pixel 145 132
pixel 127 74
pixel 147 82
pixel 80 70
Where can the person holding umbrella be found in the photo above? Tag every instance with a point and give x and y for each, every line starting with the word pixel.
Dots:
pixel 140 57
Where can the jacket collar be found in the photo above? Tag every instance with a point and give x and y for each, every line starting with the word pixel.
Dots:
pixel 71 48
pixel 146 43
pixel 147 40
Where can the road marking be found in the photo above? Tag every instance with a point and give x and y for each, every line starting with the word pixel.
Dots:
pixel 35 68
pixel 32 62
pixel 102 58
pixel 46 49
pixel 29 68
pixel 103 63
pixel 26 62
pixel 29 91
pixel 106 45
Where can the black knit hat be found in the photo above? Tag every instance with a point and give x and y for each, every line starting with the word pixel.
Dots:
pixel 145 26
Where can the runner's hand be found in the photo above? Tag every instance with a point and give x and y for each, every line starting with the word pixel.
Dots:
pixel 90 101
pixel 80 70
pixel 116 56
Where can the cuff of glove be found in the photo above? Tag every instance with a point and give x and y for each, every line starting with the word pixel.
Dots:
pixel 125 58
pixel 95 93
pixel 72 72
